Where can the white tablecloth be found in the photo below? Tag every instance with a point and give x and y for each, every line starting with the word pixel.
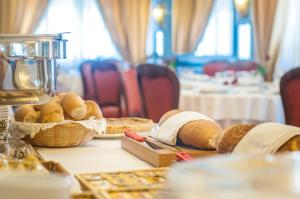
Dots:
pixel 229 108
pixel 96 156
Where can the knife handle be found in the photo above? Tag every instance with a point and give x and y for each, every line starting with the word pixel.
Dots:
pixel 182 156
pixel 134 136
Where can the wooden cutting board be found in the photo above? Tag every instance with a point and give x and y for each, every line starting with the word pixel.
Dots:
pixel 159 154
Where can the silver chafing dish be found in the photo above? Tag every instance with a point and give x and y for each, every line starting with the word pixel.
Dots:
pixel 28 67
pixel 27 76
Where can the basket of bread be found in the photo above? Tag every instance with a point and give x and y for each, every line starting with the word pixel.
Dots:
pixel 65 121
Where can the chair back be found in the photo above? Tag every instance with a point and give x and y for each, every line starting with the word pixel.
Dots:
pixel 290 95
pixel 108 88
pixel 159 88
pixel 218 66
pixel 132 93
pixel 212 68
pixel 87 79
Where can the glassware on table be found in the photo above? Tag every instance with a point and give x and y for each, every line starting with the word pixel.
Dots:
pixel 249 78
pixel 225 77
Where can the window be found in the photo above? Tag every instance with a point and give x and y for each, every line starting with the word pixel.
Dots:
pixel 88 37
pixel 226 31
pixel 218 37
pixel 244 41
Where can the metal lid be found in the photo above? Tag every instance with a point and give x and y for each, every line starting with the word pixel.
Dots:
pixel 33 46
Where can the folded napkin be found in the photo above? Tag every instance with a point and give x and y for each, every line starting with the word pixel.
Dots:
pixel 266 138
pixel 167 132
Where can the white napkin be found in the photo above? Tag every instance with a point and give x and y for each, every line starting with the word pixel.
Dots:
pixel 167 132
pixel 266 138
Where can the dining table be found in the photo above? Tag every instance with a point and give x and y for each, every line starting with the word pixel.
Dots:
pixel 232 103
pixel 98 155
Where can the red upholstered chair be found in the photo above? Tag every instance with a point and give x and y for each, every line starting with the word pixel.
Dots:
pixel 159 89
pixel 132 93
pixel 87 79
pixel 108 88
pixel 290 95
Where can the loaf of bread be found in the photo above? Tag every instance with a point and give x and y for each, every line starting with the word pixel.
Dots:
pixel 27 113
pixel 93 110
pixel 74 106
pixel 232 136
pixel 51 112
pixel 200 133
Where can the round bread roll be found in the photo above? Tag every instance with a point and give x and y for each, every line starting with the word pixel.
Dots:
pixel 74 106
pixel 51 113
pixel 232 136
pixel 26 113
pixel 54 99
pixel 200 133
pixel 93 110
pixel 61 96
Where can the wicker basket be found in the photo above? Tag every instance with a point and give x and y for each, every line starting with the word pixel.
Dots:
pixel 64 135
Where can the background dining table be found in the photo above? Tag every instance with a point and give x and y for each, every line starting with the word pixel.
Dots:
pixel 230 104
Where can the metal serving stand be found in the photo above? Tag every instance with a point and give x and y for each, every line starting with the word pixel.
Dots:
pixel 27 76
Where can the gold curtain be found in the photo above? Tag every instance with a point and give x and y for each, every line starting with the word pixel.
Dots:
pixel 20 16
pixel 264 12
pixel 190 18
pixel 127 22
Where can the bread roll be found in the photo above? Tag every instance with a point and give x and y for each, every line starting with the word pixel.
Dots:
pixel 74 106
pixel 27 113
pixel 51 113
pixel 61 95
pixel 232 136
pixel 93 110
pixel 200 133
pixel 54 99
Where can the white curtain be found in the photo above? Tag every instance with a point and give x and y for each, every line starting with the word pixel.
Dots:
pixel 289 56
pixel 88 37
pixel 217 38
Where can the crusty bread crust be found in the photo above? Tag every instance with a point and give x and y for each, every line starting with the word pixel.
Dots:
pixel 51 113
pixel 167 115
pixel 200 134
pixel 231 136
pixel 93 110
pixel 292 145
pixel 27 113
pixel 74 106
